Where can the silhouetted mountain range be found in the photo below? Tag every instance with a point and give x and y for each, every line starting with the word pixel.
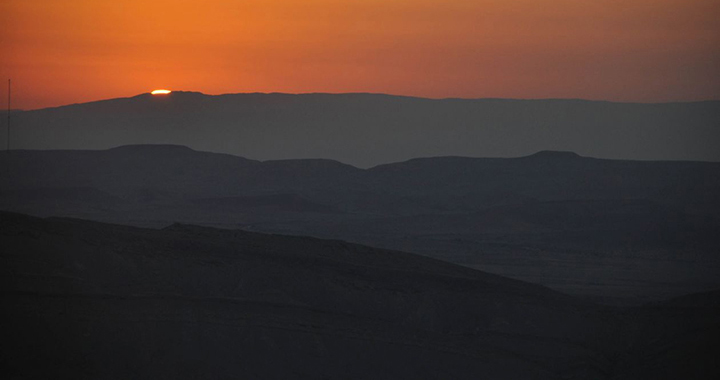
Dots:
pixel 90 300
pixel 371 129
pixel 582 225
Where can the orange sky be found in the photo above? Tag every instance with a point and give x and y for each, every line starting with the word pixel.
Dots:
pixel 66 51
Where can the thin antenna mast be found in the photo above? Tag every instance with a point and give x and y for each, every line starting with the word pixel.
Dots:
pixel 8 114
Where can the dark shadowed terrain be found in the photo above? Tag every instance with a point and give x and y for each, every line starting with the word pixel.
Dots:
pixel 260 236
pixel 613 229
pixel 90 300
pixel 372 129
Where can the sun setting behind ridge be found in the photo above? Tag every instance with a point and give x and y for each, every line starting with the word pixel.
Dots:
pixel 404 189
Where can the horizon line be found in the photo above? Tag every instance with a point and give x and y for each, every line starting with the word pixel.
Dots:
pixel 567 154
pixel 369 93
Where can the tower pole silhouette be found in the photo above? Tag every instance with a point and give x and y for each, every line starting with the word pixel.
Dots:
pixel 7 148
pixel 8 114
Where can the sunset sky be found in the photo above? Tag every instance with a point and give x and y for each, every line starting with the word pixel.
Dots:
pixel 67 51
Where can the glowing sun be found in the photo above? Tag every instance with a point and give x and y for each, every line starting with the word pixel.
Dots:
pixel 161 92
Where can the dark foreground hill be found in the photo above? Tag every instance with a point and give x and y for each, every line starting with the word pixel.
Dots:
pixel 587 226
pixel 89 300
pixel 372 129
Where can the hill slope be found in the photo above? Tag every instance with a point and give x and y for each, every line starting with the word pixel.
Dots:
pixel 84 299
pixel 100 300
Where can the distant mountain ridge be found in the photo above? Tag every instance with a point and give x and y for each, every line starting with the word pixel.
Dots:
pixel 606 220
pixel 371 129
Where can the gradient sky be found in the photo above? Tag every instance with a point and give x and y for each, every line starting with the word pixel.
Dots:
pixel 66 51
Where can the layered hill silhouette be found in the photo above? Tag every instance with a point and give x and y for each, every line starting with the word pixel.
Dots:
pixel 370 129
pixel 594 227
pixel 93 300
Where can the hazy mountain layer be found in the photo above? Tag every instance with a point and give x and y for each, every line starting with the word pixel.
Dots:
pixel 368 129
pixel 581 225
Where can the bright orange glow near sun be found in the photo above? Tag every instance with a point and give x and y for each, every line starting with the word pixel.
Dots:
pixel 67 51
pixel 161 92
